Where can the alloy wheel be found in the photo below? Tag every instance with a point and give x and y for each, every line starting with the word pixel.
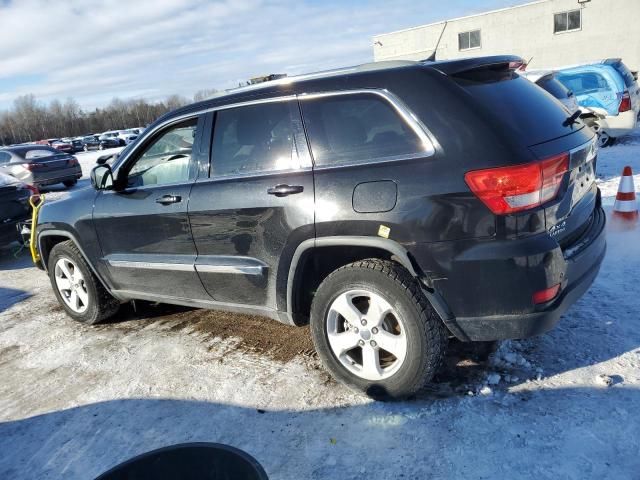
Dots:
pixel 366 334
pixel 71 285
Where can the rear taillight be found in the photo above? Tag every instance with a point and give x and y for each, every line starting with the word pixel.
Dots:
pixel 520 187
pixel 33 166
pixel 72 161
pixel 625 103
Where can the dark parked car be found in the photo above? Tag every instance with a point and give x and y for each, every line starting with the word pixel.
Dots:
pixel 90 142
pixel 109 142
pixel 14 207
pixel 63 146
pixel 391 206
pixel 40 165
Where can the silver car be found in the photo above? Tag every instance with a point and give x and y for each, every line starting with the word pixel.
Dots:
pixel 40 165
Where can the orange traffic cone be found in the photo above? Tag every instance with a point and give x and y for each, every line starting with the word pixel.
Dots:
pixel 626 207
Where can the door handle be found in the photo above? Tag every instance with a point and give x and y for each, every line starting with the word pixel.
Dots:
pixel 283 190
pixel 168 199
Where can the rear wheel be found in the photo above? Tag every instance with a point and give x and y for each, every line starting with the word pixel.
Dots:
pixel 604 139
pixel 78 290
pixel 375 331
pixel 70 183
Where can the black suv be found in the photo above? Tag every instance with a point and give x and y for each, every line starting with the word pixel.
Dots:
pixel 391 205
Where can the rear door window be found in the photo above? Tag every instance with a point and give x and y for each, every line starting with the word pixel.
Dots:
pixel 357 128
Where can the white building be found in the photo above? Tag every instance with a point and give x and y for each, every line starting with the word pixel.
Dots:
pixel 551 33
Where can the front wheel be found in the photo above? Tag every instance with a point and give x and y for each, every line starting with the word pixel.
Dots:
pixel 375 331
pixel 78 290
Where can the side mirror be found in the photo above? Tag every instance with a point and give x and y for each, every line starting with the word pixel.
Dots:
pixel 102 177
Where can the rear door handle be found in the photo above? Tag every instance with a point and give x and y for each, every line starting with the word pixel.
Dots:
pixel 168 199
pixel 283 190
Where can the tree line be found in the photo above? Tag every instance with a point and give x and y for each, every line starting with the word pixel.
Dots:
pixel 30 120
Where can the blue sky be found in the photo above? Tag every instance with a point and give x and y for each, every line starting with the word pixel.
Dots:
pixel 95 50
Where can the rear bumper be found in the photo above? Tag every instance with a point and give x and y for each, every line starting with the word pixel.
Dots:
pixel 621 124
pixel 74 173
pixel 500 289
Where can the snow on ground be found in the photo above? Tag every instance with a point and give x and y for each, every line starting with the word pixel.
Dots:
pixel 75 400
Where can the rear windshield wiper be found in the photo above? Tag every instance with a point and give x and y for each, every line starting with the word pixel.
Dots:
pixel 572 119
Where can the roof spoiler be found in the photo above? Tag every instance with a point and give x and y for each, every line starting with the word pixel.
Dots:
pixel 455 67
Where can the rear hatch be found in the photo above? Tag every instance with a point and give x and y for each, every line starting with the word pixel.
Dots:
pixel 534 119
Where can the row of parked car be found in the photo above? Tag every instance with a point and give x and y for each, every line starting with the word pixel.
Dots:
pixel 94 141
pixel 26 168
pixel 605 92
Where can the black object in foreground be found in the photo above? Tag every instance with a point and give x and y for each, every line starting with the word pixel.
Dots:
pixel 189 461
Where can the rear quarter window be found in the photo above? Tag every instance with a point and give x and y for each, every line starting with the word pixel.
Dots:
pixel 357 128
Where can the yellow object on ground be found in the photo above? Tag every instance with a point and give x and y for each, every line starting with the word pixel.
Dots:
pixel 36 201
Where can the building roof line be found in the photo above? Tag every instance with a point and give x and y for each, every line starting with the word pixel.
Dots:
pixel 440 22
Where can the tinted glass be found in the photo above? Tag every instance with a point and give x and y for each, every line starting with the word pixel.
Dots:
pixel 560 22
pixel 574 20
pixel 554 87
pixel 474 39
pixel 518 106
pixel 167 159
pixel 254 139
pixel 356 128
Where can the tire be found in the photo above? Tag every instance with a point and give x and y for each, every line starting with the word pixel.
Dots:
pixel 604 140
pixel 388 285
pixel 85 148
pixel 100 147
pixel 95 304
pixel 70 183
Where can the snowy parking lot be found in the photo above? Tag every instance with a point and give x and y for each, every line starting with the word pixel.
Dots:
pixel 76 400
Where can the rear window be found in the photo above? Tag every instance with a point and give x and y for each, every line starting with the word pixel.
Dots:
pixel 623 70
pixel 39 153
pixel 584 83
pixel 357 128
pixel 516 104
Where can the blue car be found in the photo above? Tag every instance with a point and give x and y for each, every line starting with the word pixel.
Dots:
pixel 609 90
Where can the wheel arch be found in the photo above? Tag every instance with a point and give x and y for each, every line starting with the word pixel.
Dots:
pixel 320 256
pixel 50 238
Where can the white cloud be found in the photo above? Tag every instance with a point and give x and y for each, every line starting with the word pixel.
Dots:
pixel 94 50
